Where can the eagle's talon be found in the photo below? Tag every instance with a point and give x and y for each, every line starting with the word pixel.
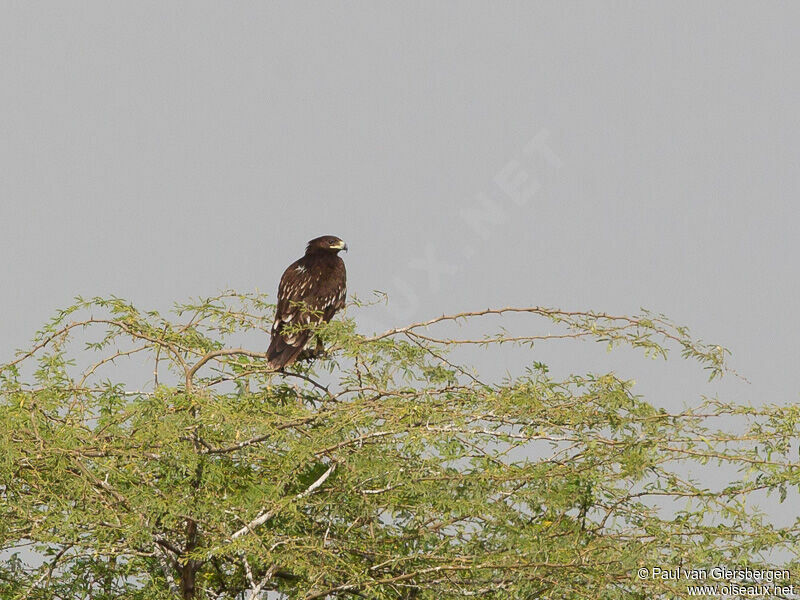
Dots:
pixel 312 353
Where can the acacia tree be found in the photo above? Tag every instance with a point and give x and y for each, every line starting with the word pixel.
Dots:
pixel 147 457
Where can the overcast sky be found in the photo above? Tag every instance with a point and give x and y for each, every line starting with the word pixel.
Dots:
pixel 588 155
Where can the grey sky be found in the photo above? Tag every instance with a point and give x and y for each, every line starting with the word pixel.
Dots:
pixel 158 151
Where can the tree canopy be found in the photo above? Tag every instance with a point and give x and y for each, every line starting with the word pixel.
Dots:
pixel 151 457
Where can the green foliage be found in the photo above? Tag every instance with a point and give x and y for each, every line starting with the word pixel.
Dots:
pixel 149 458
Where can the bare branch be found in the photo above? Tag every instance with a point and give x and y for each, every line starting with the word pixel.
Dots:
pixel 48 573
pixel 267 515
pixel 215 354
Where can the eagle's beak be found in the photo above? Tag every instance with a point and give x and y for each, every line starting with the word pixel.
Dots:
pixel 344 247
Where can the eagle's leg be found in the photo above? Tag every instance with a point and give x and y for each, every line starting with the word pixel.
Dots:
pixel 312 353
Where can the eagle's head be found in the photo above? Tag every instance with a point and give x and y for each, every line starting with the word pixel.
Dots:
pixel 327 243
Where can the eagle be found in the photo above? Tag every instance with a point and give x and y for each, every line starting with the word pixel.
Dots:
pixel 311 290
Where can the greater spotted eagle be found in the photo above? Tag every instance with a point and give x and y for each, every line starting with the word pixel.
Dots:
pixel 311 290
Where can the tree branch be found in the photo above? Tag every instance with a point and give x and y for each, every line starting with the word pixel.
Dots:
pixel 267 515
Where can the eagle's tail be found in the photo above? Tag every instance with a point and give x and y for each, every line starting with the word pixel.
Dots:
pixel 281 354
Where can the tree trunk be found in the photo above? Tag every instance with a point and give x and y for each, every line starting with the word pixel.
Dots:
pixel 187 580
pixel 189 568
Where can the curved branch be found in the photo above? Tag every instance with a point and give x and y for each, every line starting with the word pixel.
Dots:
pixel 190 373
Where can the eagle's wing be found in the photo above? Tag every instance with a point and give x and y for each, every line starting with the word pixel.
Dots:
pixel 307 296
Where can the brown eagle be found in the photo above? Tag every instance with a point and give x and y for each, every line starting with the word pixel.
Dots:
pixel 311 290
